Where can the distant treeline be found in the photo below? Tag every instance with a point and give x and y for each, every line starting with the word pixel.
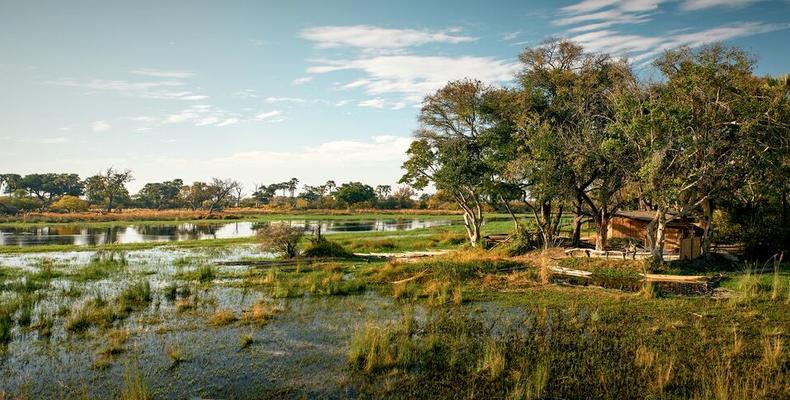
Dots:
pixel 106 191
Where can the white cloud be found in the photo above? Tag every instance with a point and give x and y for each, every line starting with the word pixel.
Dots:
pixel 285 100
pixel 510 35
pixel 268 115
pixel 197 115
pixel 382 103
pixel 54 140
pixel 384 148
pixel 341 103
pixel 228 121
pixel 158 73
pixel 160 90
pixel 100 126
pixel 373 37
pixel 302 81
pixel 643 48
pixel 702 4
pixel 245 94
pixel 414 76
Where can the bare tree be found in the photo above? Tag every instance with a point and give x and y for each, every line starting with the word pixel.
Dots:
pixel 220 190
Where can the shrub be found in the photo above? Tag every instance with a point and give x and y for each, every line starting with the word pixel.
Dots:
pixel 324 248
pixel 70 204
pixel 281 238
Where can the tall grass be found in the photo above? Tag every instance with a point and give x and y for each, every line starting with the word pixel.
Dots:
pixel 134 387
pixel 563 353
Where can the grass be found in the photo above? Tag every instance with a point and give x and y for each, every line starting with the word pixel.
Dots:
pixel 222 318
pixel 260 312
pixel 642 350
pixel 134 297
pixel 175 354
pixel 101 266
pixel 94 312
pixel 203 273
pixel 245 340
pixel 134 387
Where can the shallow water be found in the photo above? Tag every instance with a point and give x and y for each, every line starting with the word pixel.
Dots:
pixel 72 234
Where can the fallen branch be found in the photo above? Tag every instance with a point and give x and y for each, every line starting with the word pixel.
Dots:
pixel 415 277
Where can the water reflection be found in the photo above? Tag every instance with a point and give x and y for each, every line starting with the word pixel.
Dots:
pixel 86 235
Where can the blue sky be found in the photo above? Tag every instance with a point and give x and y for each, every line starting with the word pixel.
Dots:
pixel 262 91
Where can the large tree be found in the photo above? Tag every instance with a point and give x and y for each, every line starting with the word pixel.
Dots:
pixel 108 187
pixel 448 152
pixel 355 192
pixel 160 195
pixel 220 190
pixel 568 113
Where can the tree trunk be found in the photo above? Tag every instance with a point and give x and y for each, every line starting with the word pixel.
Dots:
pixel 656 233
pixel 472 225
pixel 707 225
pixel 576 235
pixel 546 227
pixel 510 211
pixel 601 230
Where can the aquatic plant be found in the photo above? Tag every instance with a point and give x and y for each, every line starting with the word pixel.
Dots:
pixel 134 387
pixel 222 318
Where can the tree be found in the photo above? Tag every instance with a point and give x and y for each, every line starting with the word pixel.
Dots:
pixel 195 195
pixel 264 194
pixel 448 152
pixel 281 238
pixel 570 95
pixel 219 190
pixel 160 195
pixel 383 191
pixel 45 187
pixel 355 192
pixel 70 203
pixel 725 121
pixel 108 186
pixel 9 182
pixel 292 185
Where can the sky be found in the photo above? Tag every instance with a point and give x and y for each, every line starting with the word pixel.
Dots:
pixel 262 91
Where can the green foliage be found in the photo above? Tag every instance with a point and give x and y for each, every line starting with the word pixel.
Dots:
pixel 70 204
pixel 352 193
pixel 325 248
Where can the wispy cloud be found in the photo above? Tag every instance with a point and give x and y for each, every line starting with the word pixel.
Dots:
pixel 100 126
pixel 510 35
pixel 54 140
pixel 285 100
pixel 158 73
pixel 269 115
pixel 245 94
pixel 228 121
pixel 373 37
pixel 161 90
pixel 302 81
pixel 382 103
pixel 641 48
pixel 596 25
pixel 701 4
pixel 413 76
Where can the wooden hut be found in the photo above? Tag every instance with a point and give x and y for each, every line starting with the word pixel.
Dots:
pixel 682 237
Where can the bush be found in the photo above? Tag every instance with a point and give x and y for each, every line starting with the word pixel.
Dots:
pixel 281 238
pixel 324 248
pixel 70 204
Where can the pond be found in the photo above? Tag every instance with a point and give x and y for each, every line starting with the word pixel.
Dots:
pixel 300 353
pixel 170 232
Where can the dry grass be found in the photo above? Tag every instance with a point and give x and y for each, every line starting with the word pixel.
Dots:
pixel 222 318
pixel 260 312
